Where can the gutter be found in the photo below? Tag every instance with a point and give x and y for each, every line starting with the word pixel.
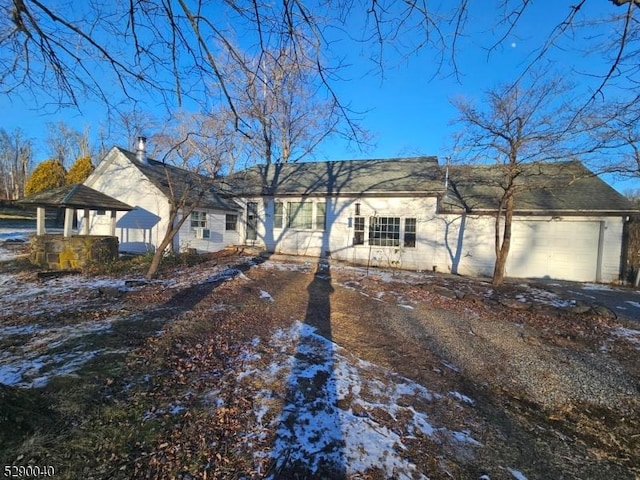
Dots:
pixel 546 213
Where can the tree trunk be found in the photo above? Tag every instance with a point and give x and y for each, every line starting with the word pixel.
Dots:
pixel 171 232
pixel 503 244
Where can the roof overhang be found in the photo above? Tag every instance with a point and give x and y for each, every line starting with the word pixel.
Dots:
pixel 75 196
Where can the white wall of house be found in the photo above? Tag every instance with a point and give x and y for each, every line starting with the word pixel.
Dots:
pixel 141 229
pixel 337 236
pixel 570 248
pixel 217 232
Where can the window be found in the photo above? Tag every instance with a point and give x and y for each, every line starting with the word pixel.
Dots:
pixel 198 219
pixel 231 222
pixel 384 231
pixel 278 215
pixel 321 215
pixel 358 231
pixel 410 232
pixel 300 215
pixel 101 212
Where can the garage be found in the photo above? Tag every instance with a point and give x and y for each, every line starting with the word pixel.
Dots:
pixel 565 250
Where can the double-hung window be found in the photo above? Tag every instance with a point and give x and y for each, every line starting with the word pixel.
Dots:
pixel 321 215
pixel 231 222
pixel 384 231
pixel 198 219
pixel 278 215
pixel 358 230
pixel 305 215
pixel 300 215
pixel 410 232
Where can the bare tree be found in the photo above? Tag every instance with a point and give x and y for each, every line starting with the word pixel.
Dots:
pixel 285 117
pixel 176 52
pixel 170 50
pixel 67 144
pixel 186 193
pixel 16 156
pixel 203 143
pixel 184 172
pixel 517 127
pixel 617 127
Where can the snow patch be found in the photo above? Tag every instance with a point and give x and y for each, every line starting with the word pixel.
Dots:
pixel 595 286
pixel 27 362
pixel 632 336
pixel 518 475
pixel 266 296
pixel 462 398
pixel 337 410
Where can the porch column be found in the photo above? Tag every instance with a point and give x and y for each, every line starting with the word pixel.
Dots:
pixel 68 221
pixel 85 222
pixel 40 216
pixel 112 231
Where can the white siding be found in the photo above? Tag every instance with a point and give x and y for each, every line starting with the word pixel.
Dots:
pixel 141 229
pixel 219 237
pixel 570 248
pixel 337 238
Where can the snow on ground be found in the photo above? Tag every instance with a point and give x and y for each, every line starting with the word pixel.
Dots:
pixel 337 409
pixel 12 235
pixel 543 297
pixel 216 274
pixel 518 475
pixel 596 286
pixel 26 359
pixel 387 276
pixel 632 336
pixel 266 296
pixel 29 296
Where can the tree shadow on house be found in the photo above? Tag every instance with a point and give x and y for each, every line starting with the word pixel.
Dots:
pixel 309 439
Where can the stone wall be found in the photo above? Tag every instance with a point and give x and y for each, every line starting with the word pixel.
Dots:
pixel 69 253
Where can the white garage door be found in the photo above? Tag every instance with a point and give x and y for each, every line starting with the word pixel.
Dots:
pixel 555 249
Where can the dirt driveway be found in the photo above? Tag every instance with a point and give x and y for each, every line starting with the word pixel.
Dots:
pixel 545 393
pixel 274 369
pixel 554 393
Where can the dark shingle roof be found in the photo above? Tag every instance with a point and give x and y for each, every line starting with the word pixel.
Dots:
pixel 561 187
pixel 75 196
pixel 182 181
pixel 398 175
pixel 566 187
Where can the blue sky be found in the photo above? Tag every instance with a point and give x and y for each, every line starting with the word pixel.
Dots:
pixel 407 111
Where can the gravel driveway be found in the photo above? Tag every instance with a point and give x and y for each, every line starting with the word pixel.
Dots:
pixel 624 301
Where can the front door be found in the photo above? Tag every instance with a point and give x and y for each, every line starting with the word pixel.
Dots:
pixel 252 221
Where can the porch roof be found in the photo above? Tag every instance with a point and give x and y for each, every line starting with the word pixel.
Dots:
pixel 75 196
